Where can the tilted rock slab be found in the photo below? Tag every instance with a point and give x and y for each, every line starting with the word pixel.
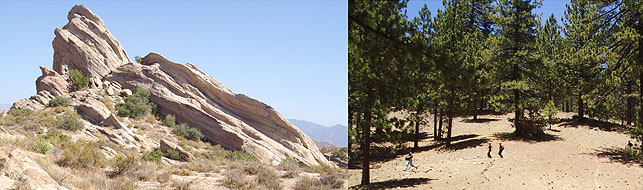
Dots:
pixel 86 44
pixel 235 121
pixel 16 165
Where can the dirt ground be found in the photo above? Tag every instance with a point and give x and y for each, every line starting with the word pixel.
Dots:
pixel 570 157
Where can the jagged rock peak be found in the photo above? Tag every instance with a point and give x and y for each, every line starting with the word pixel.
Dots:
pixel 86 44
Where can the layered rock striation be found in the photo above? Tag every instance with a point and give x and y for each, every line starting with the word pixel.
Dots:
pixel 235 121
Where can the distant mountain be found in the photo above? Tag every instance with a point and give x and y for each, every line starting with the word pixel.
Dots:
pixel 337 134
pixel 5 106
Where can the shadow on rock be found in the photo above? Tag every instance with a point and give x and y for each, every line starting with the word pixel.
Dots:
pixel 395 183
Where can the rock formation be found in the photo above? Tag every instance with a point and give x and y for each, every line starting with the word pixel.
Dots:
pixel 235 121
pixel 86 44
pixel 17 165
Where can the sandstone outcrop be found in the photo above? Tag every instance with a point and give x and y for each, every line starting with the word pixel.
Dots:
pixel 235 121
pixel 167 145
pixel 52 82
pixel 86 44
pixel 17 165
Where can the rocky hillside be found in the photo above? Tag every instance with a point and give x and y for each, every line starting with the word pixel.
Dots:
pixel 102 121
pixel 235 121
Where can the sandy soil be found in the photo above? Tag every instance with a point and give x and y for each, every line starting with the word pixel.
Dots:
pixel 573 157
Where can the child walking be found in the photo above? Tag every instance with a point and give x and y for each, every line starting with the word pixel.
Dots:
pixel 501 149
pixel 409 161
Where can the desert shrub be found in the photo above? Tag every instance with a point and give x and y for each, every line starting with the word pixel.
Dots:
pixel 188 132
pixel 307 183
pixel 321 169
pixel 108 103
pixel 31 128
pixel 202 165
pixel 183 184
pixel 138 59
pixel 70 122
pixel 182 172
pixel 235 179
pixel 58 174
pixel 137 105
pixel 123 183
pixel 153 156
pixel 20 112
pixel 289 164
pixel 268 177
pixel 170 120
pixel 172 154
pixel 81 154
pixel 59 101
pixel 78 79
pixel 146 172
pixel 240 156
pixel 56 138
pixel 124 164
pixel 331 180
pixel 41 146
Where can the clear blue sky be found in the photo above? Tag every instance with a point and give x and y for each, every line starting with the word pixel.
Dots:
pixel 289 54
pixel 557 7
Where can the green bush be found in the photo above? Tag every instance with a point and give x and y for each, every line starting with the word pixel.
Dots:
pixel 240 156
pixel 81 154
pixel 137 104
pixel 170 120
pixel 172 154
pixel 124 164
pixel 289 164
pixel 59 101
pixel 188 132
pixel 78 79
pixel 153 156
pixel 41 146
pixel 70 122
pixel 23 112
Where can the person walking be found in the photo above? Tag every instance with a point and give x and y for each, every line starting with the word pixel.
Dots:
pixel 489 153
pixel 501 149
pixel 409 161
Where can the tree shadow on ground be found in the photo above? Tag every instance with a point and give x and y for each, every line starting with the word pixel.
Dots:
pixel 620 155
pixel 388 153
pixel 479 120
pixel 542 137
pixel 471 143
pixel 390 184
pixel 593 124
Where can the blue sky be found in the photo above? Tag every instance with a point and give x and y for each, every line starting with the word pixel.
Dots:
pixel 289 54
pixel 557 7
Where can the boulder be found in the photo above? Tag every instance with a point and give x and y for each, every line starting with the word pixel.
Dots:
pixel 52 82
pixel 17 165
pixel 93 111
pixel 235 121
pixel 86 44
pixel 185 155
pixel 126 92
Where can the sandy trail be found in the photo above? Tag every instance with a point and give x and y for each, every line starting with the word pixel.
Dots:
pixel 569 160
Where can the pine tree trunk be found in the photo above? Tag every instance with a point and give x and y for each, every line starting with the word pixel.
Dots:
pixel 417 125
pixel 440 123
pixel 475 110
pixel 628 114
pixel 435 121
pixel 366 148
pixel 450 117
pixel 581 110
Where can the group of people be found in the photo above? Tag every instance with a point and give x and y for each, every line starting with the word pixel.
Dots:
pixel 409 157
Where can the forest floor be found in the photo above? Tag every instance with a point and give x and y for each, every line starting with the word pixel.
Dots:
pixel 570 156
